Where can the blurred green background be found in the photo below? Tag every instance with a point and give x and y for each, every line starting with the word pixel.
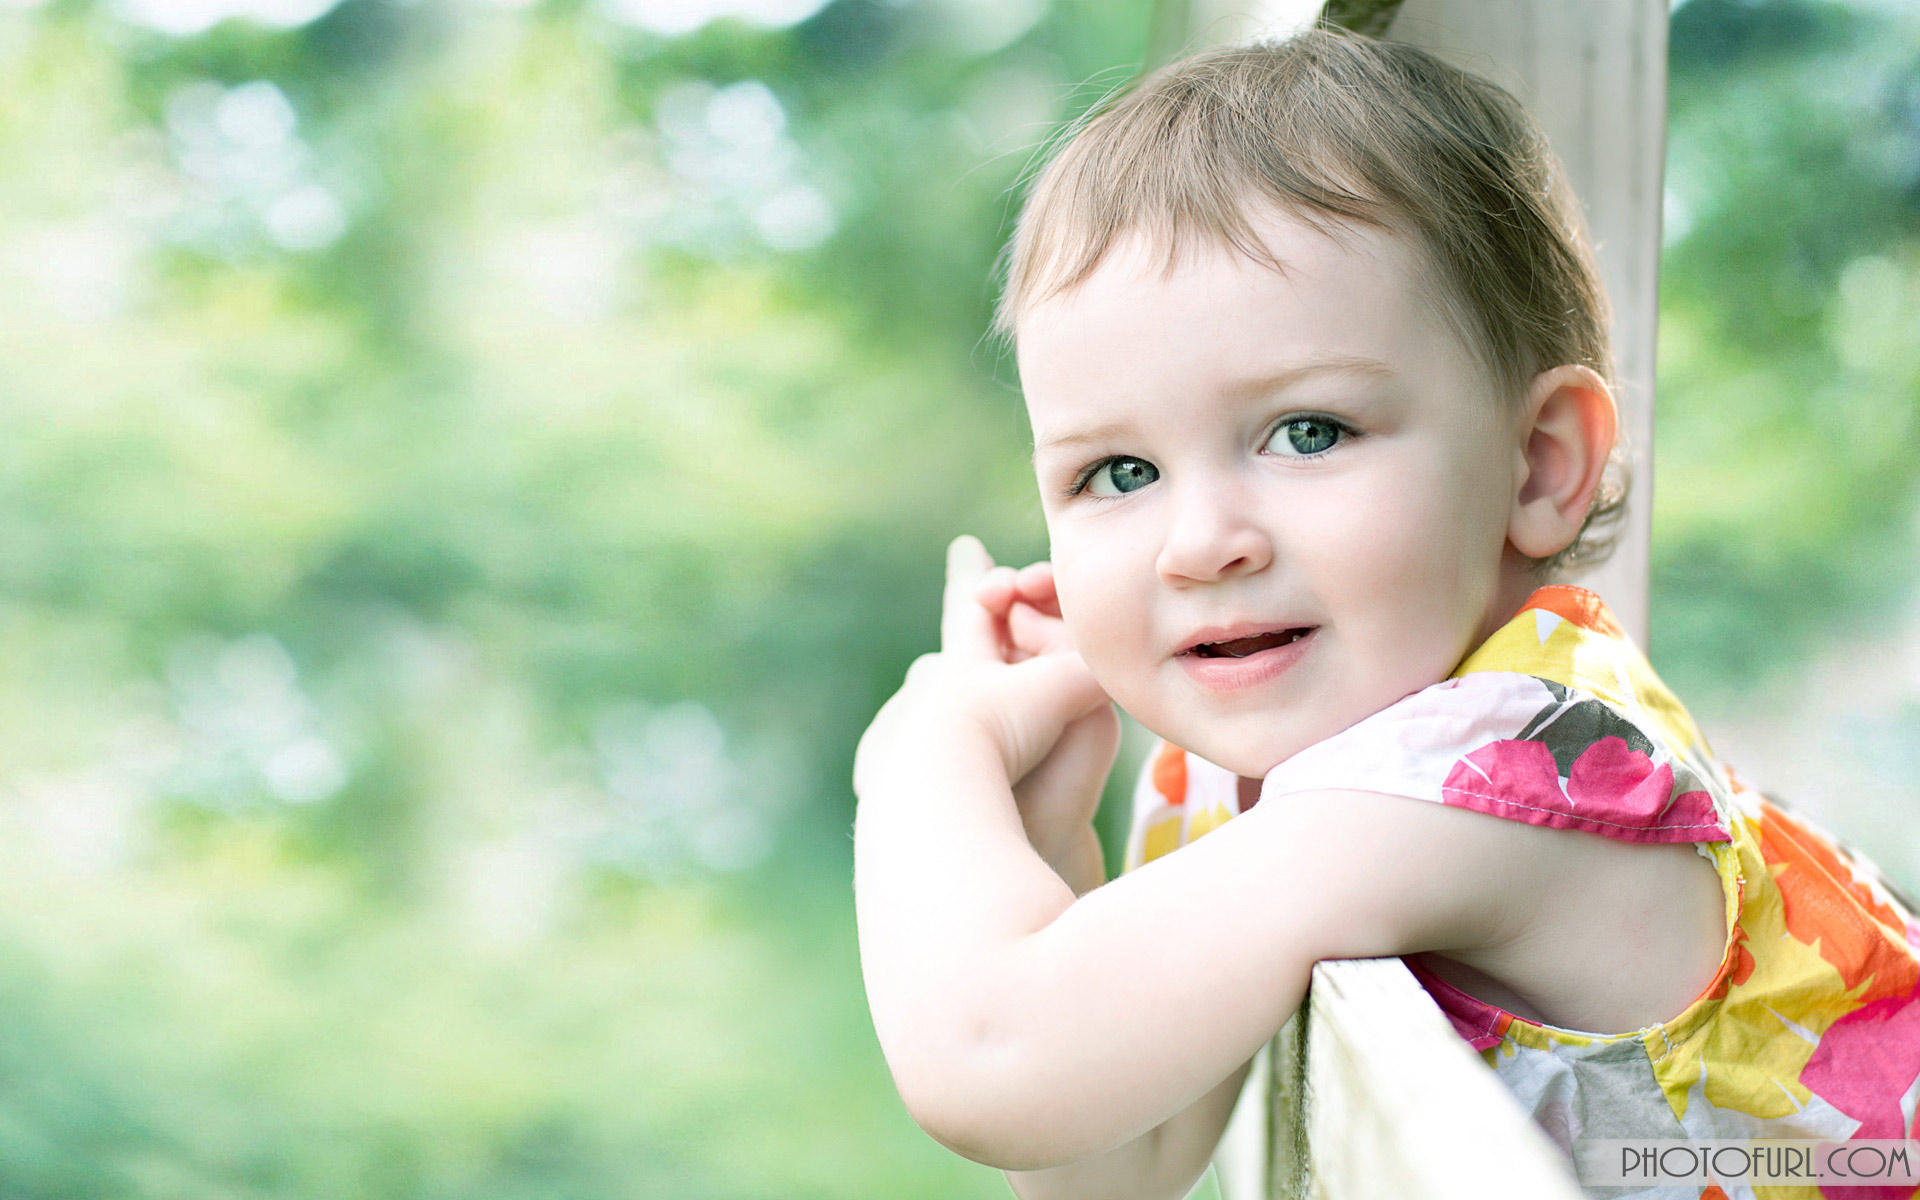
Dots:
pixel 468 472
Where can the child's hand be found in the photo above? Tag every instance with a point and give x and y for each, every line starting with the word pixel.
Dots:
pixel 1059 797
pixel 1026 609
pixel 983 694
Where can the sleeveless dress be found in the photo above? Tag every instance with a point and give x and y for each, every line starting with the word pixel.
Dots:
pixel 1811 1027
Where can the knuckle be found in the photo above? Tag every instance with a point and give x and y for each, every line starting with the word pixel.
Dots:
pixel 922 666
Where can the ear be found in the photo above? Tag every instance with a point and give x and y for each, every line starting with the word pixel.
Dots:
pixel 1567 430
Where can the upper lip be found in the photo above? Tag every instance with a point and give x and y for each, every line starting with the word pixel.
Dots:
pixel 1235 631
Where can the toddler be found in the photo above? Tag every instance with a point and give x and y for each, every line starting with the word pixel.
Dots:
pixel 1316 363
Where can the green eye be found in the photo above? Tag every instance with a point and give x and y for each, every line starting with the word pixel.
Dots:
pixel 1117 476
pixel 1304 436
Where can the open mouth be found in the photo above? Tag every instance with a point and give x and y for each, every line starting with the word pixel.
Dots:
pixel 1242 647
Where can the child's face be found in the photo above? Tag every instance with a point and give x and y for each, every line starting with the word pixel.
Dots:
pixel 1312 459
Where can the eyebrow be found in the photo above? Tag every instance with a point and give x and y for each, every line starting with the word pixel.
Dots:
pixel 1240 391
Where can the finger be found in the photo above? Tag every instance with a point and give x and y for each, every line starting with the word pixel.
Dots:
pixel 920 666
pixel 1034 584
pixel 997 590
pixel 1033 632
pixel 965 627
pixel 1055 691
pixel 1061 683
pixel 996 595
pixel 1077 766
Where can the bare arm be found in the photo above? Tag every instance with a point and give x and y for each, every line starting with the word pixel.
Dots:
pixel 1001 999
pixel 1162 1164
pixel 1165 1162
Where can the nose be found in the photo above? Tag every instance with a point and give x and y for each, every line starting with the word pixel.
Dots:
pixel 1213 532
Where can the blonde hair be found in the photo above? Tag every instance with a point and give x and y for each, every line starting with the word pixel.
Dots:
pixel 1339 129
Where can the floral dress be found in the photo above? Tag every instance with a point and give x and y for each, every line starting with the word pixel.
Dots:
pixel 1811 1027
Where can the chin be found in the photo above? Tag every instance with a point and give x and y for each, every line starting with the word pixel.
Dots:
pixel 1252 766
pixel 1248 757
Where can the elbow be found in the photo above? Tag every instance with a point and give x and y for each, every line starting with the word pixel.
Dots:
pixel 989 1107
pixel 960 1095
pixel 981 1076
pixel 992 1140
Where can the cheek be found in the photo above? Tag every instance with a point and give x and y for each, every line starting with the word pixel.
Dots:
pixel 1417 532
pixel 1087 603
pixel 1099 603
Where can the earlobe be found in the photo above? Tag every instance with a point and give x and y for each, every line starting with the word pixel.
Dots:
pixel 1569 425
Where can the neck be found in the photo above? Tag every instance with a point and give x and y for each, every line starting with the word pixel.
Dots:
pixel 1517 582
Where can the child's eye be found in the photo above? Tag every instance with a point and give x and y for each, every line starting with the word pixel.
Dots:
pixel 1303 437
pixel 1118 476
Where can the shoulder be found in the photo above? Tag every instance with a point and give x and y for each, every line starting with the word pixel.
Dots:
pixel 1527 749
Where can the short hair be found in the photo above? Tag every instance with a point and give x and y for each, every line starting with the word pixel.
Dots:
pixel 1339 129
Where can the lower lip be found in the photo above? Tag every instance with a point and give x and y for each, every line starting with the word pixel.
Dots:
pixel 1233 674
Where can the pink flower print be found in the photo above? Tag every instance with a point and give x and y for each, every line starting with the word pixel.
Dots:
pixel 1615 783
pixel 1864 1064
pixel 1510 778
pixel 1611 789
pixel 1612 782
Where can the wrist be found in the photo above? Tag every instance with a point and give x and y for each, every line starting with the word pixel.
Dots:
pixel 1077 858
pixel 911 752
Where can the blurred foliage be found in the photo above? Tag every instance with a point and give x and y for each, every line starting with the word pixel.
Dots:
pixel 469 471
pixel 1788 451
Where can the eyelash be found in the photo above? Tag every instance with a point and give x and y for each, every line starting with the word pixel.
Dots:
pixel 1347 432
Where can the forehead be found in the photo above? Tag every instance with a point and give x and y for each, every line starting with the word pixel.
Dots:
pixel 1209 316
